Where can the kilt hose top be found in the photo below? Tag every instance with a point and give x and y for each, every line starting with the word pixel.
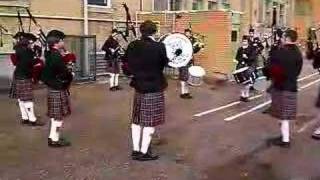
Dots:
pixel 148 109
pixel 58 104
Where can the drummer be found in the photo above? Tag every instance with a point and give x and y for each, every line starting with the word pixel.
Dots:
pixel 246 57
pixel 183 71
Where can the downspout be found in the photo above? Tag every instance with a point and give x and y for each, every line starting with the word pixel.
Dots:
pixel 85 17
pixel 85 63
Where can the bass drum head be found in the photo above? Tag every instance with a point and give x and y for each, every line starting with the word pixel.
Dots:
pixel 179 49
pixel 197 71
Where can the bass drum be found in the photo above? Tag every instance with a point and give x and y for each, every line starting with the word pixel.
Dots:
pixel 179 49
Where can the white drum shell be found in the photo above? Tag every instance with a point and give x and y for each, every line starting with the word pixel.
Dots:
pixel 196 74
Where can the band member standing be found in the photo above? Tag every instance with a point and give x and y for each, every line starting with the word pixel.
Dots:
pixel 184 71
pixel 57 77
pixel 112 49
pixel 286 64
pixel 246 58
pixel 147 59
pixel 22 87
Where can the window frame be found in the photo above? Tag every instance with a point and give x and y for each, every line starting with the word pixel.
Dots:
pixel 108 4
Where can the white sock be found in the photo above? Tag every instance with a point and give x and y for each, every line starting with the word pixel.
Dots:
pixel 52 134
pixel 56 130
pixel 184 87
pixel 247 91
pixel 136 135
pixel 112 78
pixel 285 130
pixel 146 138
pixel 23 110
pixel 116 80
pixel 30 111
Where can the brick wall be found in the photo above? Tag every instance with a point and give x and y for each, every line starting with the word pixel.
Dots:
pixel 215 26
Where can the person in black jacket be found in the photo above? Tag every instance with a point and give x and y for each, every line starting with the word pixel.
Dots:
pixel 184 71
pixel 246 57
pixel 286 64
pixel 22 86
pixel 57 77
pixel 112 49
pixel 146 61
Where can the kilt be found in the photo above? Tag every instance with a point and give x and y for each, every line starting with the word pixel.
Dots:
pixel 13 89
pixel 148 109
pixel 184 73
pixel 58 104
pixel 318 100
pixel 23 88
pixel 284 104
pixel 113 66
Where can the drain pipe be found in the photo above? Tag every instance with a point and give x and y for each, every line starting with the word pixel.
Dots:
pixel 85 17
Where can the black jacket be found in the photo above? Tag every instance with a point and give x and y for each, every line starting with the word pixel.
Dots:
pixel 25 63
pixel 146 61
pixel 110 43
pixel 289 60
pixel 251 54
pixel 56 74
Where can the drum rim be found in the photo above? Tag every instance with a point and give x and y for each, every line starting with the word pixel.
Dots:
pixel 240 70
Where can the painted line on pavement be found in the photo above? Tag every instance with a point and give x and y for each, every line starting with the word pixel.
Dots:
pixel 231 118
pixel 238 102
pixel 307 125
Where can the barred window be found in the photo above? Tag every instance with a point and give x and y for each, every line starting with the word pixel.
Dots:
pixel 100 2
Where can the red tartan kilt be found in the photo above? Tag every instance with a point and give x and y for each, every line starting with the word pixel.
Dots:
pixel 149 109
pixel 284 104
pixel 58 104
pixel 13 89
pixel 24 89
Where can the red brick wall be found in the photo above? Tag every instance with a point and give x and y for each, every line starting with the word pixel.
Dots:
pixel 215 26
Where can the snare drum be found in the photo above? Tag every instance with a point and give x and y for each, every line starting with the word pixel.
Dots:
pixel 196 74
pixel 242 75
pixel 261 83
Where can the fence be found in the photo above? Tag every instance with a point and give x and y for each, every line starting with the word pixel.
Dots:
pixel 85 49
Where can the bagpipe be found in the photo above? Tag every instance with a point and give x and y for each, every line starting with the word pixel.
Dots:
pixel 129 26
pixel 68 58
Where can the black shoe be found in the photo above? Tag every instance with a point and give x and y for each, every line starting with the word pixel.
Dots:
pixel 25 122
pixel 36 123
pixel 135 155
pixel 186 96
pixel 147 157
pixel 244 99
pixel 278 142
pixel 118 88
pixel 315 136
pixel 113 89
pixel 57 144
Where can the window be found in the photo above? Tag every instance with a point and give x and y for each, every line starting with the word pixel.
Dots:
pixel 212 5
pixel 197 5
pixel 100 2
pixel 234 36
pixel 160 5
pixel 175 5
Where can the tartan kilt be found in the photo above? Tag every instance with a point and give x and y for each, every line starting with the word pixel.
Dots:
pixel 184 73
pixel 148 109
pixel 23 89
pixel 113 66
pixel 58 104
pixel 318 100
pixel 284 104
pixel 13 89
